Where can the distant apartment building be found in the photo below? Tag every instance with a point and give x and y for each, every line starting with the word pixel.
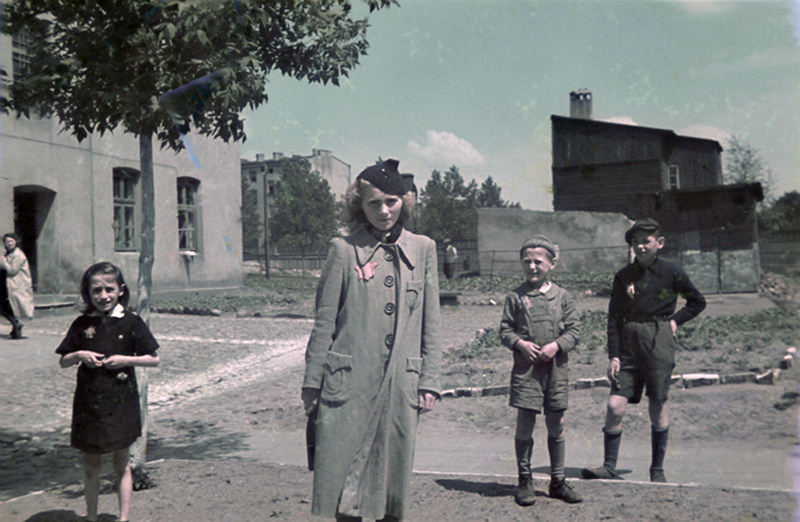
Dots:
pixel 75 203
pixel 262 175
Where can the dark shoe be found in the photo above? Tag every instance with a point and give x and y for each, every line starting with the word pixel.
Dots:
pixel 526 495
pixel 600 473
pixel 16 331
pixel 560 489
pixel 657 475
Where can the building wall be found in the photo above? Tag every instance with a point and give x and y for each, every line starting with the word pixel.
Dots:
pixel 76 227
pixel 588 241
pixel 604 187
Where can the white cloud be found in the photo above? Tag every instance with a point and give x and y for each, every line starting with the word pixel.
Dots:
pixel 445 148
pixel 706 131
pixel 704 7
pixel 625 120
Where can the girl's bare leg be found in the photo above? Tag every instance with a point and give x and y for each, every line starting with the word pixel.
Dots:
pixel 91 472
pixel 122 472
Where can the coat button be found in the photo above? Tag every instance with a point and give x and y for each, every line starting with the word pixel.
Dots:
pixel 388 308
pixel 388 281
pixel 389 340
pixel 388 255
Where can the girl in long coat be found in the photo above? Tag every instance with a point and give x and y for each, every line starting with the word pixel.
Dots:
pixel 18 283
pixel 373 359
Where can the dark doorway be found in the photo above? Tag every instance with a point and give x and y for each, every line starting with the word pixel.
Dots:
pixel 32 204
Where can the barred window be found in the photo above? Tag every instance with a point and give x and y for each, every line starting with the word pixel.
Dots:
pixel 188 214
pixel 21 54
pixel 674 178
pixel 125 232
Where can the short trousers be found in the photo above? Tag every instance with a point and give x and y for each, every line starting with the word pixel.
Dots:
pixel 647 358
pixel 538 387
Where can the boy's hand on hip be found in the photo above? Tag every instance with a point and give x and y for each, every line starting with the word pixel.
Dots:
pixel 674 327
pixel 613 369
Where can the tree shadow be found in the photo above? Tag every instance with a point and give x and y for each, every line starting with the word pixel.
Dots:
pixel 195 440
pixel 484 489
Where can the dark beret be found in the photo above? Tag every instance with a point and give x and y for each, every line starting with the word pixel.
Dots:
pixel 541 242
pixel 385 177
pixel 646 224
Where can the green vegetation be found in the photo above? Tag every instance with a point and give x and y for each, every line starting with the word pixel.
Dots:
pixel 597 282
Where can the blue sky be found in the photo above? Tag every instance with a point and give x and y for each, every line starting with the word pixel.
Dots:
pixel 473 83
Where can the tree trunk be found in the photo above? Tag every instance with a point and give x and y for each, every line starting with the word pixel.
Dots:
pixel 141 479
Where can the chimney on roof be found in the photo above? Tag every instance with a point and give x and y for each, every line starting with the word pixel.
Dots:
pixel 259 156
pixel 580 104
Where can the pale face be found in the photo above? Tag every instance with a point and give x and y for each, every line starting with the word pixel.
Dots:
pixel 10 244
pixel 536 265
pixel 646 246
pixel 382 210
pixel 104 292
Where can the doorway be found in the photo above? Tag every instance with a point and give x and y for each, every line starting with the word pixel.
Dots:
pixel 33 224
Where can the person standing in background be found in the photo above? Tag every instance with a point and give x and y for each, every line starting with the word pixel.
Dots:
pixel 18 284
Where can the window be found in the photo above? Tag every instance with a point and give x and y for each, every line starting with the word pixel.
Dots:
pixel 125 182
pixel 188 214
pixel 21 55
pixel 674 178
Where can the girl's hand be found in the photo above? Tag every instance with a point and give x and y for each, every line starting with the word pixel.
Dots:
pixel 310 397
pixel 426 401
pixel 116 361
pixel 91 359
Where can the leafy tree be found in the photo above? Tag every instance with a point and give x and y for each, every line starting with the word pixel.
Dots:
pixel 252 229
pixel 155 68
pixel 744 164
pixel 783 215
pixel 449 206
pixel 304 216
pixel 489 196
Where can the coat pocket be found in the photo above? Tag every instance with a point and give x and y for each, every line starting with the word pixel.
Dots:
pixel 414 293
pixel 413 371
pixel 335 381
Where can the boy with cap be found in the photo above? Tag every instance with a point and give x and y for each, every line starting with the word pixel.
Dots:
pixel 540 325
pixel 642 326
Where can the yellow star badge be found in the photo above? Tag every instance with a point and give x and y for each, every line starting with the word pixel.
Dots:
pixel 89 332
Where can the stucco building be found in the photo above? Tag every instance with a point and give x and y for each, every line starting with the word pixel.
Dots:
pixel 74 203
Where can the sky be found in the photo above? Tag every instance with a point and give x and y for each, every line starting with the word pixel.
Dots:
pixel 473 83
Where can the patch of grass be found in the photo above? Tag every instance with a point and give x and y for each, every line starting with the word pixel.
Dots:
pixel 257 292
pixel 597 282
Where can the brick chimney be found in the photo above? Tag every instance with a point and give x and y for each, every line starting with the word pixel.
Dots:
pixel 580 104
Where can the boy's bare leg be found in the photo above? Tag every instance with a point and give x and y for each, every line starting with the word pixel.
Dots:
pixel 122 472
pixel 91 474
pixel 659 435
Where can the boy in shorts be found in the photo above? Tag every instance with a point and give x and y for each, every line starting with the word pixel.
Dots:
pixel 642 326
pixel 540 325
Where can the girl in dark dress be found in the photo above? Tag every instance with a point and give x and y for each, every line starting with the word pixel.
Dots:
pixel 106 342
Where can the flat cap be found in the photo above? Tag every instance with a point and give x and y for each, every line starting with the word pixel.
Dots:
pixel 646 224
pixel 384 176
pixel 541 242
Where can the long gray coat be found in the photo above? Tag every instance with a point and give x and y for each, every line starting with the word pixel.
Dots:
pixel 373 347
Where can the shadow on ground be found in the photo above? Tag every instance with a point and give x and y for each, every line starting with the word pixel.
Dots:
pixel 43 461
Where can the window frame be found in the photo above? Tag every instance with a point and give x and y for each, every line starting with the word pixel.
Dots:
pixel 189 236
pixel 126 207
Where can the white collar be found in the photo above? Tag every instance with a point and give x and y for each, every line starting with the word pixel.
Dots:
pixel 117 313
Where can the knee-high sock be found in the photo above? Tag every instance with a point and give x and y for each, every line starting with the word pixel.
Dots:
pixel 611 442
pixel 523 449
pixel 658 438
pixel 557 448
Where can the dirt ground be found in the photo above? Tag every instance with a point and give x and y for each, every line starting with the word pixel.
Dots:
pixel 224 379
